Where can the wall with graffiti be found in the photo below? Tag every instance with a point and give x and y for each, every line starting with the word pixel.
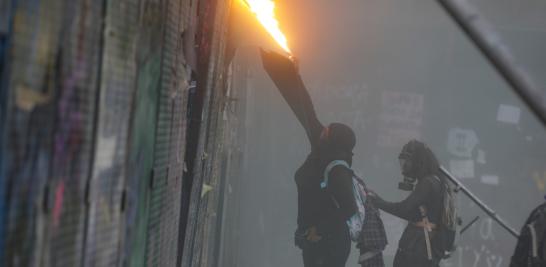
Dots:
pixel 96 100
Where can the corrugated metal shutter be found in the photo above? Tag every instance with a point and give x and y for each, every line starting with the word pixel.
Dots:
pixel 74 131
pixel 214 147
pixel 30 85
pixel 142 136
pixel 177 85
pixel 109 170
pixel 169 148
pixel 202 214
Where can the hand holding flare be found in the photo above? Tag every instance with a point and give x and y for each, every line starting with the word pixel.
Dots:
pixel 277 64
pixel 282 70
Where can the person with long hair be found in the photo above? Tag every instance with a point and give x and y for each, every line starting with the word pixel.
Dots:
pixel 425 208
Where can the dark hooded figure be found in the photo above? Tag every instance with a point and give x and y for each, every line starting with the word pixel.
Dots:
pixel 531 247
pixel 423 208
pixel 322 232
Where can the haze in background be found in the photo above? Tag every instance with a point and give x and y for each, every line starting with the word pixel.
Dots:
pixel 393 70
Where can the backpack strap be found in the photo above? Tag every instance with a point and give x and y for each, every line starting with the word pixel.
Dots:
pixel 427 228
pixel 537 230
pixel 329 167
pixel 534 243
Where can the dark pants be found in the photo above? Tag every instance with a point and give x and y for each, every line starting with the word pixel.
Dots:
pixel 404 259
pixel 375 261
pixel 412 251
pixel 332 251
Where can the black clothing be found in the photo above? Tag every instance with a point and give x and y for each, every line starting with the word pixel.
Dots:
pixel 403 259
pixel 522 253
pixel 287 80
pixel 428 193
pixel 375 261
pixel 339 139
pixel 418 162
pixel 315 205
pixel 332 251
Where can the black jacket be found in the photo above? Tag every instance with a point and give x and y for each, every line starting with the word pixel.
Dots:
pixel 522 253
pixel 428 193
pixel 315 205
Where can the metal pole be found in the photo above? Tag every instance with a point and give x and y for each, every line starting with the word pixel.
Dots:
pixel 490 44
pixel 480 203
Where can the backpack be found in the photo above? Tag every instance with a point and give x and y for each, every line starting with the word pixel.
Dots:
pixel 537 231
pixel 448 233
pixel 356 222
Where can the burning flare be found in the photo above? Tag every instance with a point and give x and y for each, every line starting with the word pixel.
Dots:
pixel 265 13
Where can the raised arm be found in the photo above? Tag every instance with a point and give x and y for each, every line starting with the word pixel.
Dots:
pixel 285 75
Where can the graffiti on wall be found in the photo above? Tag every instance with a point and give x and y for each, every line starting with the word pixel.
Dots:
pixel 96 108
pixel 29 126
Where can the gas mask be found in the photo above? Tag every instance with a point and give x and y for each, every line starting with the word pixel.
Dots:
pixel 406 165
pixel 407 184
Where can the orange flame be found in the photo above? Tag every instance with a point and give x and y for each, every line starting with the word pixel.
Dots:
pixel 265 13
